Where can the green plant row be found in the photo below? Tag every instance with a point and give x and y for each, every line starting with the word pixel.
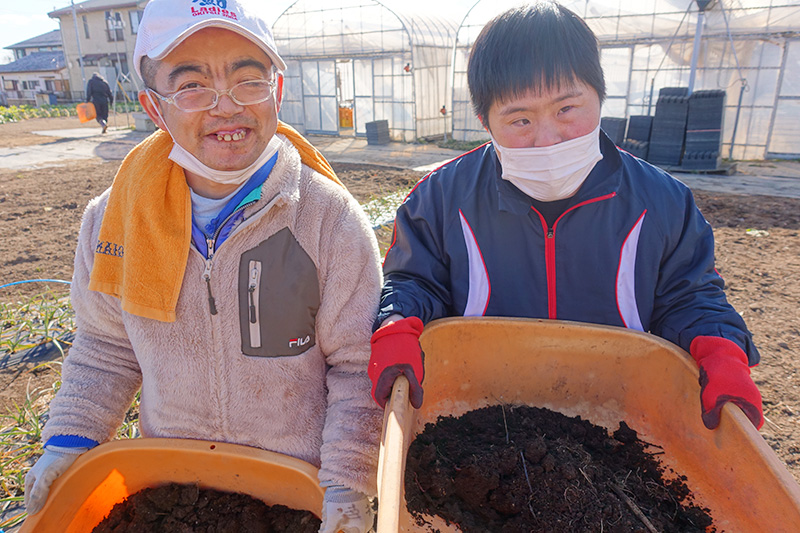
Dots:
pixel 464 146
pixel 37 320
pixel 17 113
pixel 23 112
pixel 21 441
pixel 132 107
pixel 40 319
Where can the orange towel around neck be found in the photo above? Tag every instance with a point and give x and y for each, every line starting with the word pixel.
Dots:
pixel 144 240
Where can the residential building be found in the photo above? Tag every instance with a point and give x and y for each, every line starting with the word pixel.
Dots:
pixel 100 36
pixel 46 42
pixel 38 74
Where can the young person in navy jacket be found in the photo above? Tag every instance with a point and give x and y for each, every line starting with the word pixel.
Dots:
pixel 551 220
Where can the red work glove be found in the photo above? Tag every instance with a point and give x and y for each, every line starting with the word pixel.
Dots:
pixel 725 377
pixel 396 351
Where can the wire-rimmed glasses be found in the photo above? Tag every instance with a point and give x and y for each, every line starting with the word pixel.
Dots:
pixel 204 98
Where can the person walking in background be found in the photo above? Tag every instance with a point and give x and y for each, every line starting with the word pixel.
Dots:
pixel 99 93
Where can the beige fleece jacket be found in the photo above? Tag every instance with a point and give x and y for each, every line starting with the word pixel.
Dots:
pixel 197 381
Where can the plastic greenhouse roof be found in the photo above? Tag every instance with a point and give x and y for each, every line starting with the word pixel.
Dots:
pixel 336 27
pixel 647 20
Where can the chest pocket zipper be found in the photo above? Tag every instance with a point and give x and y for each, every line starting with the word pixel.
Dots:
pixel 253 292
pixel 278 298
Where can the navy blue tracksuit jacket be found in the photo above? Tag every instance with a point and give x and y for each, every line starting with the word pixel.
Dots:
pixel 631 250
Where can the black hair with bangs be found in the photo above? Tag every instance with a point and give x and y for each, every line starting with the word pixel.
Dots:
pixel 539 47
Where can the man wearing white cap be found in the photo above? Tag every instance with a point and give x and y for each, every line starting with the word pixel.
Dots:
pixel 227 273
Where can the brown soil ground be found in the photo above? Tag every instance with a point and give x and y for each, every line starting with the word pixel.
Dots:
pixel 187 508
pixel 511 469
pixel 13 134
pixel 40 213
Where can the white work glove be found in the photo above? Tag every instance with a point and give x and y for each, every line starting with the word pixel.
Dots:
pixel 54 461
pixel 346 511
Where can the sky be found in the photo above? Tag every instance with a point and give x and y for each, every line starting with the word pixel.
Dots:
pixel 23 19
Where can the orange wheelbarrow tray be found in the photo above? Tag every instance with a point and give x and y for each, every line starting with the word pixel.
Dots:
pixel 107 474
pixel 604 375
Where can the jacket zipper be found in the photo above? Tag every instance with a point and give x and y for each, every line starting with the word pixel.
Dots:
pixel 212 306
pixel 550 253
pixel 253 290
pixel 211 241
pixel 550 263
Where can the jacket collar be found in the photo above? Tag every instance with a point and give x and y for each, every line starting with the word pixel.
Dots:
pixel 283 184
pixel 605 178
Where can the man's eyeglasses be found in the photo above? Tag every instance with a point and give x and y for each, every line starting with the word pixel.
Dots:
pixel 204 98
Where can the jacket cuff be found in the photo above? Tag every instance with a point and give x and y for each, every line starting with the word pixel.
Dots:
pixel 389 310
pixel 383 315
pixel 704 346
pixel 71 441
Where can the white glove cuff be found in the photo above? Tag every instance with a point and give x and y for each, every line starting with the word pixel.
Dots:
pixel 341 494
pixel 66 450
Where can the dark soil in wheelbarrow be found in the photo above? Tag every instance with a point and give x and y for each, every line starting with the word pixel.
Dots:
pixel 186 508
pixel 505 469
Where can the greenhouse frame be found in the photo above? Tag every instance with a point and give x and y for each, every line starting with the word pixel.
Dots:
pixel 355 62
pixel 748 48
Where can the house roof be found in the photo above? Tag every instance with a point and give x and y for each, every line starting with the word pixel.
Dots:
pixel 96 5
pixel 51 38
pixel 36 62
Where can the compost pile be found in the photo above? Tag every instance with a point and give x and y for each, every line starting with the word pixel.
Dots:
pixel 186 508
pixel 517 469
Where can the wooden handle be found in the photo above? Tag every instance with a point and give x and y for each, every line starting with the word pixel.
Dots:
pixel 397 421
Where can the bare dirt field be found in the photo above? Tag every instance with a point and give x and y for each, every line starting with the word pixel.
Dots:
pixel 40 212
pixel 14 134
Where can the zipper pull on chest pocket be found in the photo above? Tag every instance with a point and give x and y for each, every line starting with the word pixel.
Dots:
pixel 253 291
pixel 278 294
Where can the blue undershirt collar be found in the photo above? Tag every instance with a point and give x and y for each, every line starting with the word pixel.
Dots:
pixel 249 192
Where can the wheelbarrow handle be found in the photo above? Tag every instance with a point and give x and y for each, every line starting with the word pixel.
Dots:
pixel 398 419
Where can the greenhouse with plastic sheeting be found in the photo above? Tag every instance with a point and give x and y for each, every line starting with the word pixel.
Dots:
pixel 742 54
pixel 357 64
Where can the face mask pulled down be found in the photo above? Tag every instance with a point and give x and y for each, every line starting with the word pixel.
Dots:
pixel 224 177
pixel 189 162
pixel 554 172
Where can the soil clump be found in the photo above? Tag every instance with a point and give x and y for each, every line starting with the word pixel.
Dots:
pixel 516 469
pixel 186 508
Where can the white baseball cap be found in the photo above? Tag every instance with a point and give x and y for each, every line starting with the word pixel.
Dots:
pixel 166 23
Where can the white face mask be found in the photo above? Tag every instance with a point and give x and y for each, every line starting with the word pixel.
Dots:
pixel 189 162
pixel 225 177
pixel 554 172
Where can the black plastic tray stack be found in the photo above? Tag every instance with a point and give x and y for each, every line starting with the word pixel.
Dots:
pixel 614 128
pixel 377 132
pixel 704 131
pixel 637 139
pixel 669 127
pixel 673 91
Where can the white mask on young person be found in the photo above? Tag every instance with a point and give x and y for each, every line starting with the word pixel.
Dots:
pixel 189 162
pixel 554 172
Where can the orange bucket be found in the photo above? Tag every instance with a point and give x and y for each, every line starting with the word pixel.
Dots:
pixel 602 374
pixel 86 111
pixel 84 495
